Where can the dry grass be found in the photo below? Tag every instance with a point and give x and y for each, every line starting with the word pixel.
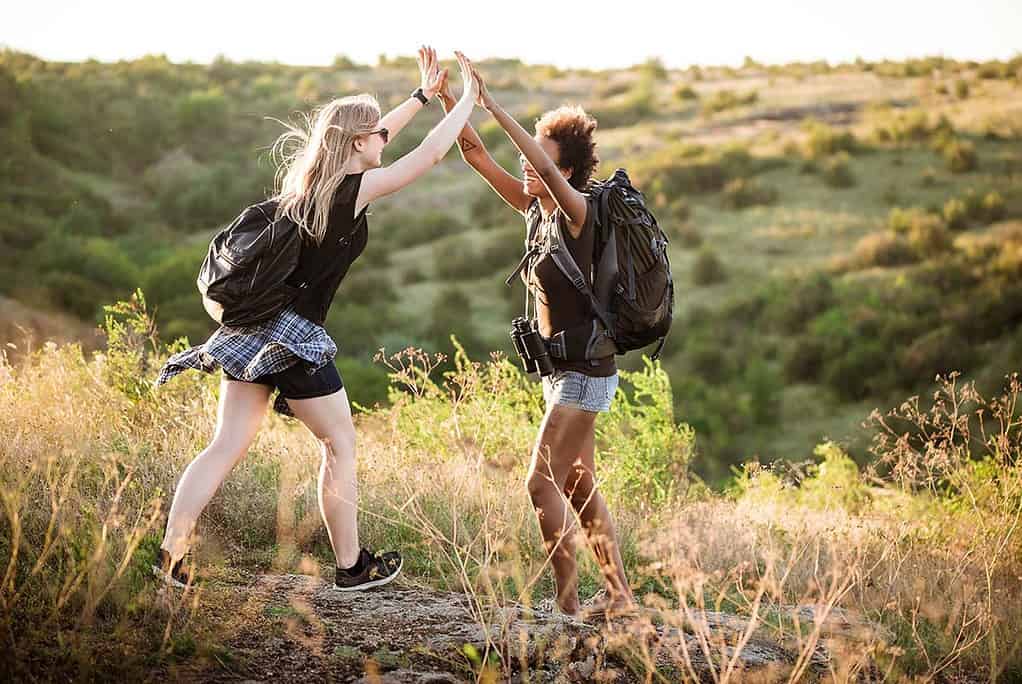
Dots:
pixel 912 575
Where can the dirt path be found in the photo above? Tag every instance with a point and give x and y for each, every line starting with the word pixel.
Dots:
pixel 290 628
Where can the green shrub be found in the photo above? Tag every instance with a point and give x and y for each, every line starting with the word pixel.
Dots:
pixel 939 351
pixel 367 384
pixel 961 89
pixel 901 221
pixel 653 69
pixel 955 214
pixel 883 249
pixel 824 141
pixel 993 207
pixel 930 238
pixel 960 156
pixel 855 374
pixel 637 104
pixel 723 100
pixel 645 452
pixel 837 172
pixel 792 303
pixel 451 315
pixel 803 361
pixel 742 192
pixel 708 268
pixel 928 178
pixel 685 92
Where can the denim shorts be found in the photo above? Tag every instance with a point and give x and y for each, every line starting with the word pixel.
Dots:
pixel 577 390
pixel 295 382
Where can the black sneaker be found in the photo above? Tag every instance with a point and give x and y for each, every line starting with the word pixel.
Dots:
pixel 175 576
pixel 371 570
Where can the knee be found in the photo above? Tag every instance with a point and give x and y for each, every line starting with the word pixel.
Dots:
pixel 539 486
pixel 339 444
pixel 225 449
pixel 580 486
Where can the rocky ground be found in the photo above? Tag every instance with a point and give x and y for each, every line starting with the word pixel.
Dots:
pixel 290 628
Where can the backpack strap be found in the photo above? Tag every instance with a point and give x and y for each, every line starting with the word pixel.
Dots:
pixel 564 261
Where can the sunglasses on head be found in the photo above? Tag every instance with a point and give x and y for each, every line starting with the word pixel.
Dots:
pixel 384 133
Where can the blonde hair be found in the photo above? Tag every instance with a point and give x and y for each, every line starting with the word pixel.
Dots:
pixel 310 173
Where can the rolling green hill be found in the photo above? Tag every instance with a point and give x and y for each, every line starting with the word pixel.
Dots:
pixel 841 234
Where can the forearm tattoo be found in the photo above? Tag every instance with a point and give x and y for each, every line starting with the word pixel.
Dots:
pixel 466 145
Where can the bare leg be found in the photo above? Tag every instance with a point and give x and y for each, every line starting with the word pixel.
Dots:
pixel 240 412
pixel 597 522
pixel 561 431
pixel 329 418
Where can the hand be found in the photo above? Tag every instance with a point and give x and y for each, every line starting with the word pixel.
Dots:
pixel 484 99
pixel 430 72
pixel 468 77
pixel 445 87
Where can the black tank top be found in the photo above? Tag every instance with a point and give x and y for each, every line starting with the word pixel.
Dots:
pixel 559 304
pixel 322 267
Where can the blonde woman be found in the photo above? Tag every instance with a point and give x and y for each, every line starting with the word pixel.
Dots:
pixel 325 188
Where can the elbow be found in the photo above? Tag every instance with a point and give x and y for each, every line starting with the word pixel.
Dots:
pixel 547 171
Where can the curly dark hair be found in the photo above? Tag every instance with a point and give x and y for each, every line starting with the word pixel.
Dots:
pixel 572 129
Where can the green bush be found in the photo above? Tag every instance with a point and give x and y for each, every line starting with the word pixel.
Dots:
pixel 685 92
pixel 930 238
pixel 858 372
pixel 993 207
pixel 803 361
pixel 883 249
pixel 836 171
pixel 901 221
pixel 960 156
pixel 955 214
pixel 636 105
pixel 824 141
pixel 645 452
pixel 429 226
pixel 708 268
pixel 792 303
pixel 451 315
pixel 742 192
pixel 367 384
pixel 961 89
pixel 723 100
pixel 939 351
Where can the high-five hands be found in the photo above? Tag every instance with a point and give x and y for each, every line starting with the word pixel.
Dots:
pixel 432 76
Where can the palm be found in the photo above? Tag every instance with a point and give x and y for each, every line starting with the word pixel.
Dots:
pixel 430 73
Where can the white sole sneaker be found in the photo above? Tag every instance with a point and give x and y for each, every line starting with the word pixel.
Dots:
pixel 374 583
pixel 167 578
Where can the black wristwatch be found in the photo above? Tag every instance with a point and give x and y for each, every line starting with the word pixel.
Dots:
pixel 420 96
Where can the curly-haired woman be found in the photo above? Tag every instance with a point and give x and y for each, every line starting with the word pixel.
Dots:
pixel 557 164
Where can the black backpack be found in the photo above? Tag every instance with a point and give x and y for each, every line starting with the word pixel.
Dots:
pixel 632 295
pixel 243 277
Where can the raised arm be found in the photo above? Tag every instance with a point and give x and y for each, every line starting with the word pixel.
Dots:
pixel 475 154
pixel 377 183
pixel 430 76
pixel 568 199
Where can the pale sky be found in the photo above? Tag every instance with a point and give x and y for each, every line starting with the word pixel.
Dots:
pixel 595 34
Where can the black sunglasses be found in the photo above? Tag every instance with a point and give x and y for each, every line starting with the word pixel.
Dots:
pixel 384 133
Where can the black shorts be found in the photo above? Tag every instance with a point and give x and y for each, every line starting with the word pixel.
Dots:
pixel 295 382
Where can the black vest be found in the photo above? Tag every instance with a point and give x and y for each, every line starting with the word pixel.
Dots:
pixel 322 267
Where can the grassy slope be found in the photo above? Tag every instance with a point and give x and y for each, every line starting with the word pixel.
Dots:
pixel 808 226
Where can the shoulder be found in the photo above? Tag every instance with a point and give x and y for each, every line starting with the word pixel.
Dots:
pixel 347 191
